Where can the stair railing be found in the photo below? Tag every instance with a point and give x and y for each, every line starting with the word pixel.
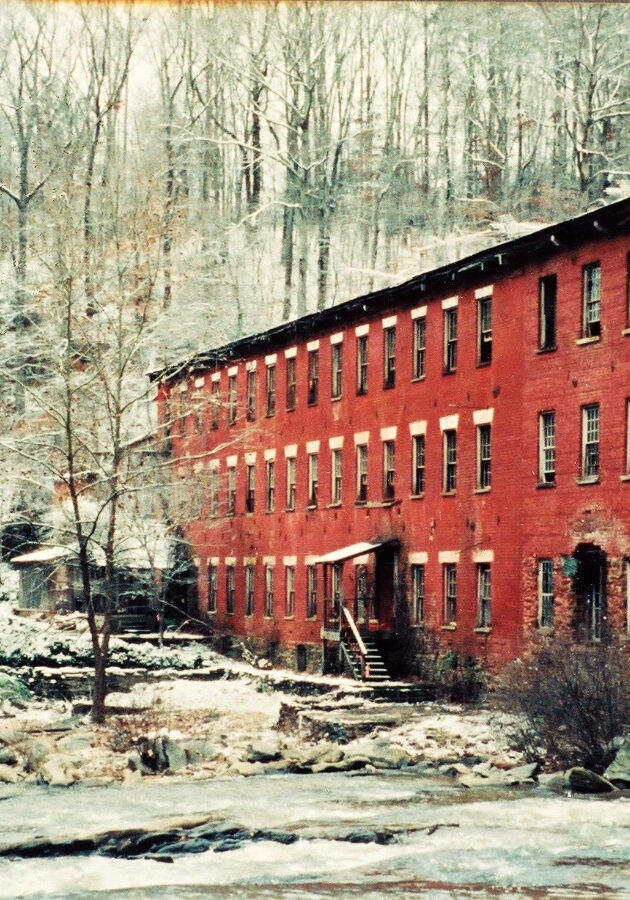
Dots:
pixel 356 640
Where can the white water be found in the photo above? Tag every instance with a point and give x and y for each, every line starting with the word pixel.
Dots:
pixel 519 843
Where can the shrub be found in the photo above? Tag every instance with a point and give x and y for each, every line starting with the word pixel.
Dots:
pixel 570 701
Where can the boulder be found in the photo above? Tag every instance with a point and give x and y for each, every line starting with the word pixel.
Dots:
pixel 381 755
pixel 325 751
pixel 246 768
pixel 136 764
pixel 555 781
pixel 619 769
pixel 8 775
pixel 265 750
pixel 583 781
pixel 522 774
pixel 54 773
pixel 496 778
pixel 74 742
pixel 8 757
pixel 175 754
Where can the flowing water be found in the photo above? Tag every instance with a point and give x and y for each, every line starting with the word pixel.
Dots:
pixel 518 843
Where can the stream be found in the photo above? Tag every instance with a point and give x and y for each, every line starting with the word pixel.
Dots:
pixel 519 842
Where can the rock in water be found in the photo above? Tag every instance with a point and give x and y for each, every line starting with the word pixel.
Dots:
pixel 583 781
pixel 619 769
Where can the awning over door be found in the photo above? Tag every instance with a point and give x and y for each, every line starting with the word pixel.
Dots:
pixel 351 551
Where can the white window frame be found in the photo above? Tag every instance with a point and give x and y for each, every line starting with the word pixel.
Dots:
pixel 591 428
pixel 362 363
pixel 291 482
pixel 362 472
pixel 250 581
pixel 591 300
pixel 449 581
pixel 418 583
pixel 545 592
pixel 484 456
pixel 418 461
pixel 484 595
pixel 450 339
pixel 336 370
pixel 313 479
pixel 289 597
pixel 419 326
pixel 547 447
pixel 269 592
pixel 336 475
pixel 389 469
pixel 449 462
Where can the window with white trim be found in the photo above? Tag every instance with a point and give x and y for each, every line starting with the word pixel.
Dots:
pixel 290 482
pixel 389 357
pixel 232 398
pixel 547 447
pixel 212 588
pixel 291 383
pixel 249 590
pixel 389 470
pixel 545 593
pixel 231 490
pixel 590 441
pixel 271 485
pixel 484 595
pixel 271 390
pixel 336 476
pixel 229 590
pixel 289 606
pixel 484 330
pixel 591 300
pixel 251 395
pixel 268 591
pixel 419 347
pixel 336 373
pixel 362 364
pixel 311 592
pixel 214 492
pixel 449 479
pixel 450 593
pixel 417 594
pixel 250 481
pixel 362 473
pixel 215 404
pixel 313 478
pixel 417 464
pixel 313 377
pixel 450 339
pixel 484 457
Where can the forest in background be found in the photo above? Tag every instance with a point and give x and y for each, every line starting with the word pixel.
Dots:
pixel 242 164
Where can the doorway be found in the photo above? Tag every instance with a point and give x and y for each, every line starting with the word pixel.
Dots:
pixel 589 586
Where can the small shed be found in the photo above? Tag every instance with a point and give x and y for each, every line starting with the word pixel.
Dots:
pixel 45 579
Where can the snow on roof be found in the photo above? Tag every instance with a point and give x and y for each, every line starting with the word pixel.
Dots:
pixel 42 554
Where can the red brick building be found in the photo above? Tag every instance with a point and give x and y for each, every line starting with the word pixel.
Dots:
pixel 448 456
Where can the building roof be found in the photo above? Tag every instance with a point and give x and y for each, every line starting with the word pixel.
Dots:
pixel 481 266
pixel 42 555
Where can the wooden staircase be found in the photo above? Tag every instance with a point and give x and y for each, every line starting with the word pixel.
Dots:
pixel 361 654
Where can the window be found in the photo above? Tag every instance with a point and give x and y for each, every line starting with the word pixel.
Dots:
pixel 450 593
pixel 484 587
pixel 417 465
pixel 229 590
pixel 336 474
pixel 545 593
pixel 547 322
pixel 547 448
pixel 419 347
pixel 591 306
pixel 251 396
pixel 232 399
pixel 215 402
pixel 627 459
pixel 249 590
pixel 450 461
pixel 450 339
pixel 268 591
pixel 291 482
pixel 313 377
pixel 362 473
pixel 250 473
pixel 484 330
pixel 389 357
pixel 389 469
pixel 212 588
pixel 417 594
pixel 271 485
pixel 311 592
pixel 291 389
pixel 289 608
pixel 336 364
pixel 484 453
pixel 590 441
pixel 362 364
pixel 231 494
pixel 198 414
pixel 214 492
pixel 271 390
pixel 313 467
